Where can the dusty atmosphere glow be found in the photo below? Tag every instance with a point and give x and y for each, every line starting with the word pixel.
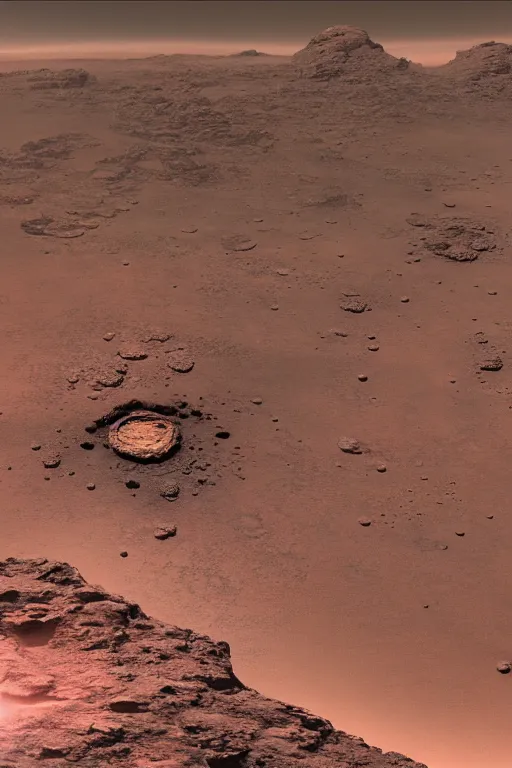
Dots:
pixel 428 52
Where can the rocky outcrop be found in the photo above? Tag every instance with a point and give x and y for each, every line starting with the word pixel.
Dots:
pixel 486 60
pixel 485 69
pixel 86 678
pixel 341 51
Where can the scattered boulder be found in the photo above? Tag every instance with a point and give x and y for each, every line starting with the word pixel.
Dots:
pixel 180 362
pixel 493 363
pixel 353 303
pixel 132 353
pixel 170 491
pixel 165 533
pixel 349 445
pixel 457 239
pixel 110 378
pixel 52 461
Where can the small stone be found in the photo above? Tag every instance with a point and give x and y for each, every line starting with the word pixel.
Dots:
pixel 161 337
pixel 90 486
pixel 257 401
pixel 110 379
pixel 283 272
pixel 460 533
pixel 180 362
pixel 443 546
pixel 381 468
pixel 132 353
pixel 504 667
pixel 373 347
pixel 123 554
pixel 364 521
pixel 51 462
pixel 87 446
pixel 132 484
pixel 337 332
pixel 223 434
pixel 126 263
pixel 349 445
pixel 492 364
pixel 238 243
pixel 492 293
pixel 73 379
pixel 274 307
pixel 170 491
pixel 35 447
pixel 353 304
pixel 362 377
pixel 449 205
pixel 490 517
pixel 109 336
pixel 165 533
pixel 404 299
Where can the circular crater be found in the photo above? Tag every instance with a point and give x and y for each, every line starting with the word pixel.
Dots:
pixel 144 436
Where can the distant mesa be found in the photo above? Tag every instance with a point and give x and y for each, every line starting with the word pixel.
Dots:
pixel 344 50
pixel 250 52
pixel 46 79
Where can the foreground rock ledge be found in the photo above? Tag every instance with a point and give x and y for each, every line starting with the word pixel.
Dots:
pixel 88 678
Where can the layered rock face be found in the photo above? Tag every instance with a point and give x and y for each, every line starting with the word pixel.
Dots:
pixel 483 61
pixel 344 50
pixel 86 678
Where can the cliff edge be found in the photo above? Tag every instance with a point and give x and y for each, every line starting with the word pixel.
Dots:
pixel 86 678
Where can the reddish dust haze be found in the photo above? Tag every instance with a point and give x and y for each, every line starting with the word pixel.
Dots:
pixel 431 52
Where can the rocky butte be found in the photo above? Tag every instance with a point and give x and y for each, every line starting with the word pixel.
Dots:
pixel 86 678
pixel 344 50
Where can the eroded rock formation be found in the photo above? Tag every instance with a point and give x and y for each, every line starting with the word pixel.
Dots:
pixel 344 50
pixel 86 678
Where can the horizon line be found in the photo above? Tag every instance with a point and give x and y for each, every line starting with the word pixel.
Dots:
pixel 426 51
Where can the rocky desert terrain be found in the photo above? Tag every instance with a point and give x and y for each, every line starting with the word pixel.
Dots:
pixel 298 269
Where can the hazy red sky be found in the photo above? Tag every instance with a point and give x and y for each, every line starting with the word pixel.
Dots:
pixel 428 31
